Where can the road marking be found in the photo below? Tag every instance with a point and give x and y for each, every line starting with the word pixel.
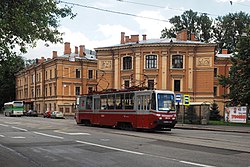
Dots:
pixel 18 137
pixel 73 134
pixel 195 164
pixel 140 153
pixel 108 147
pixel 2 136
pixel 44 134
pixel 25 130
pixel 4 125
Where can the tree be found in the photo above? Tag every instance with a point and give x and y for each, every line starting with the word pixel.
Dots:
pixel 8 69
pixel 214 112
pixel 24 22
pixel 194 23
pixel 239 79
pixel 223 30
pixel 228 29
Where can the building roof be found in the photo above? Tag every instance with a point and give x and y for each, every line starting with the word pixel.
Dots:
pixel 161 41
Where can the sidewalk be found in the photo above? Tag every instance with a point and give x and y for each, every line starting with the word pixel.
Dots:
pixel 222 128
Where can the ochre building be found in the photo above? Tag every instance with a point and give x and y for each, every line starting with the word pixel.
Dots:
pixel 53 84
pixel 183 65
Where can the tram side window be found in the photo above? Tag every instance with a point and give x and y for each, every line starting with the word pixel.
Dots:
pixel 129 101
pixel 143 102
pixel 104 104
pixel 97 103
pixel 81 105
pixel 111 101
pixel 119 101
pixel 89 102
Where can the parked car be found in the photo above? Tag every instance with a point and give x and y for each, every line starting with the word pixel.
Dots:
pixel 47 114
pixel 31 113
pixel 57 114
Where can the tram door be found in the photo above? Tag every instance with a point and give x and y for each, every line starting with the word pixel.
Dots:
pixel 96 108
pixel 143 105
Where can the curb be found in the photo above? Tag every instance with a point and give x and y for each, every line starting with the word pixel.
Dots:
pixel 210 129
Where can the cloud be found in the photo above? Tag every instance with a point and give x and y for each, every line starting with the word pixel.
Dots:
pixel 227 1
pixel 150 27
pixel 106 35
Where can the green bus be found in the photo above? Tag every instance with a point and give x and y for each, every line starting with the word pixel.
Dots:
pixel 14 108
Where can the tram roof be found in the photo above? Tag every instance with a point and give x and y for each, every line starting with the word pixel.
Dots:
pixel 111 91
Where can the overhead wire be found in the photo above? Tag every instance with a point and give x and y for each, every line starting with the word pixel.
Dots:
pixel 111 11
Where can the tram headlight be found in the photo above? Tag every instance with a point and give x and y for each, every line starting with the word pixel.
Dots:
pixel 160 118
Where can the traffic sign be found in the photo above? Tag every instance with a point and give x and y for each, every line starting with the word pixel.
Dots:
pixel 186 100
pixel 178 98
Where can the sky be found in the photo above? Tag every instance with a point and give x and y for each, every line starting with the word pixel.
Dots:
pixel 98 24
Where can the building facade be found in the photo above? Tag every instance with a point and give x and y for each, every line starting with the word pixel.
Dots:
pixel 181 65
pixel 222 67
pixel 53 84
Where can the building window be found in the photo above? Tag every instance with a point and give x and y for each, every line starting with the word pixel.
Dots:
pixel 50 90
pixel 151 84
pixel 46 74
pixel 90 74
pixel 177 61
pixel 50 73
pixel 215 91
pixel 77 90
pixel 55 90
pixel 126 84
pixel 151 61
pixel 127 63
pixel 90 89
pixel 177 85
pixel 78 73
pixel 215 72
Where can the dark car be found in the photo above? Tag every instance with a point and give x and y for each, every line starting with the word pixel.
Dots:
pixel 31 113
pixel 47 114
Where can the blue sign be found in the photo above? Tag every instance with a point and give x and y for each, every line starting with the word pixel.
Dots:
pixel 178 98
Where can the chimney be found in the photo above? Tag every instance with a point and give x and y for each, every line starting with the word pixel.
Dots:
pixel 54 54
pixel 181 35
pixel 134 38
pixel 42 60
pixel 144 37
pixel 122 37
pixel 82 50
pixel 127 39
pixel 67 49
pixel 224 51
pixel 193 37
pixel 76 50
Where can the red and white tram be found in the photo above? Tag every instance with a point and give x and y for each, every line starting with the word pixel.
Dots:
pixel 146 109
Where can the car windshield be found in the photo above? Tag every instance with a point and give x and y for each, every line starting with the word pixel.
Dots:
pixel 165 102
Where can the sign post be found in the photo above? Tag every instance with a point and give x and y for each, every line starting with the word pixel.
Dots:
pixel 186 102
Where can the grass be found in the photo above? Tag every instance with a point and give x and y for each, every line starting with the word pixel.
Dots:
pixel 228 123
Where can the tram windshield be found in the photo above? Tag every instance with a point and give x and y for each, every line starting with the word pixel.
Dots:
pixel 166 102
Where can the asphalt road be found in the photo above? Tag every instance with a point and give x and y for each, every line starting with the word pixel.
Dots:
pixel 28 142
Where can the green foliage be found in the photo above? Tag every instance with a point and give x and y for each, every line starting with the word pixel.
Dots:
pixel 214 112
pixel 8 69
pixel 224 30
pixel 24 22
pixel 239 79
pixel 194 23
pixel 228 29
